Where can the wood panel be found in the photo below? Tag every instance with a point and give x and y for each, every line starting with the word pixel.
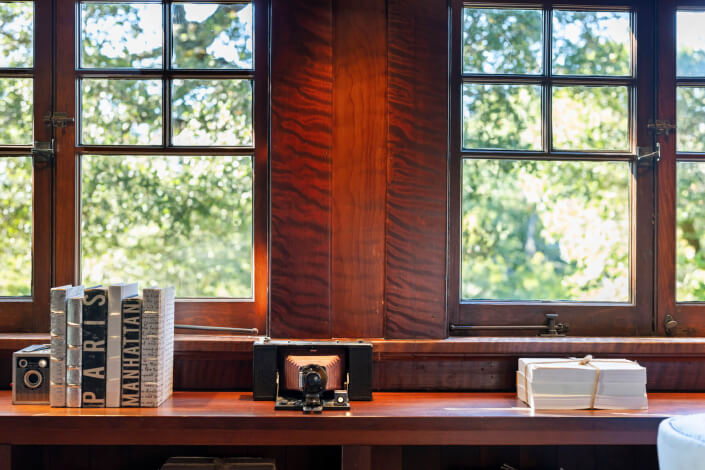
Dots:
pixel 359 165
pixel 300 168
pixel 5 457
pixel 387 458
pixel 415 286
pixel 356 458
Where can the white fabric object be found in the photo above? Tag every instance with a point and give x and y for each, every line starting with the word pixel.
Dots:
pixel 681 443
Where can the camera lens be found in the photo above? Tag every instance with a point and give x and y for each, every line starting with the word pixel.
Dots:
pixel 22 363
pixel 32 379
pixel 313 379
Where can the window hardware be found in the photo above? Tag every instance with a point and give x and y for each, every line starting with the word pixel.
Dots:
pixel 43 152
pixel 59 120
pixel 669 325
pixel 661 127
pixel 551 328
pixel 651 156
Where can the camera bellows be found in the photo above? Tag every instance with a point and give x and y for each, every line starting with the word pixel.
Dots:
pixel 332 364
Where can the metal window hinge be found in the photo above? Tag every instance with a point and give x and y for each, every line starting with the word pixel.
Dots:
pixel 661 127
pixel 59 120
pixel 669 325
pixel 651 156
pixel 43 151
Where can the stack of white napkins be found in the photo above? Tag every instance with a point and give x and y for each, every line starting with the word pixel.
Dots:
pixel 581 383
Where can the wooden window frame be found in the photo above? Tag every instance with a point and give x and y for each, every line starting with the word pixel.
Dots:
pixel 249 313
pixel 689 315
pixel 585 318
pixel 26 314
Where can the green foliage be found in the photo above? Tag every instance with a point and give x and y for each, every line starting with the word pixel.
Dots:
pixel 690 105
pixel 690 233
pixel 16 34
pixel 185 221
pixel 16 226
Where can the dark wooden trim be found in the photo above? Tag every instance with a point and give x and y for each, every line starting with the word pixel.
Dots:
pixel 300 168
pixel 5 457
pixel 358 168
pixel 417 169
pixel 665 295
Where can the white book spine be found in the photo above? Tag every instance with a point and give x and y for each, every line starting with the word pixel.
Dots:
pixel 157 344
pixel 57 333
pixel 74 341
pixel 113 369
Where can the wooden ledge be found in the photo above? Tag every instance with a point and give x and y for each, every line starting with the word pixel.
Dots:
pixel 228 418
pixel 475 346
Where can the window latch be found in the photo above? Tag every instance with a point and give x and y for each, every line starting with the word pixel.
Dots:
pixel 650 156
pixel 43 152
pixel 58 120
pixel 661 127
pixel 669 325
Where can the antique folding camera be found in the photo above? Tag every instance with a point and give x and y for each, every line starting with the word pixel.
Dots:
pixel 312 376
pixel 30 375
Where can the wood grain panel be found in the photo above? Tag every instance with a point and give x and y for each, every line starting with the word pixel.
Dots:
pixel 5 457
pixel 300 168
pixel 415 276
pixel 387 458
pixel 356 458
pixel 359 165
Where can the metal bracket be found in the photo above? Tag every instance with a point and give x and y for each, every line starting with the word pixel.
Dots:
pixel 652 156
pixel 661 127
pixel 669 325
pixel 59 120
pixel 550 328
pixel 43 152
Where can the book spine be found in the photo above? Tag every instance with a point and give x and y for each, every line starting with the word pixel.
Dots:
pixel 57 359
pixel 167 340
pixel 95 316
pixel 116 293
pixel 131 346
pixel 151 313
pixel 74 339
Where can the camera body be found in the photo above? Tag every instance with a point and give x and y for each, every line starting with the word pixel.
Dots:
pixel 30 375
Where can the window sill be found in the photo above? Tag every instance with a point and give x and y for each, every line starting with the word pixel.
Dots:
pixel 475 346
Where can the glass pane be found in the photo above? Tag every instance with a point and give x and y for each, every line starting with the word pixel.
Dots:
pixel 545 230
pixel 690 119
pixel 591 43
pixel 690 39
pixel 16 226
pixel 591 118
pixel 502 116
pixel 212 36
pixel 121 35
pixel 121 112
pixel 16 111
pixel 502 41
pixel 182 221
pixel 212 112
pixel 690 232
pixel 16 34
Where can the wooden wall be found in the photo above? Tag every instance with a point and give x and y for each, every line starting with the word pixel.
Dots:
pixel 358 168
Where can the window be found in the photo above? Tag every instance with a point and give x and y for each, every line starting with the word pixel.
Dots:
pixel 161 180
pixel 169 132
pixel 552 210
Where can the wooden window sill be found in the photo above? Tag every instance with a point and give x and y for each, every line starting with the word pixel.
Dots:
pixel 480 346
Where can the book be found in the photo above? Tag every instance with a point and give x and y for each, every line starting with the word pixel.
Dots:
pixel 157 346
pixel 131 347
pixel 567 384
pixel 93 357
pixel 57 332
pixel 74 340
pixel 116 293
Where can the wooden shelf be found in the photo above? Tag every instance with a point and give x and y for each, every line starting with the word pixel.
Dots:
pixel 391 419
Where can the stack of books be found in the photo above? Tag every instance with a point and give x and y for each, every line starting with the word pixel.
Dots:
pixel 587 383
pixel 110 347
